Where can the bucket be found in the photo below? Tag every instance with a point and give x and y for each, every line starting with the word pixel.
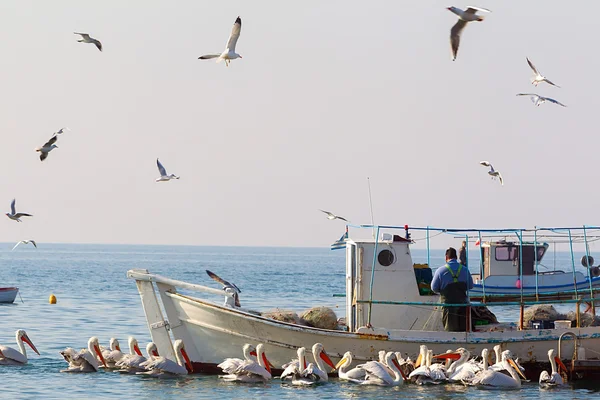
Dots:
pixel 562 324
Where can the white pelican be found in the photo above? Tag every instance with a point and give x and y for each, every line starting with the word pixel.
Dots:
pixel 492 172
pixel 15 216
pixel 294 366
pixel 462 369
pixel 377 373
pixel 229 53
pixel 131 363
pixel 231 301
pixel 356 374
pixel 422 374
pixel 332 216
pixel 538 100
pixel 10 356
pixel 231 364
pixel 85 38
pixel 468 15
pixel 163 367
pixel 112 354
pixel 47 147
pixel 25 242
pixel 85 360
pixel 538 78
pixel 164 177
pixel 314 372
pixel 490 379
pixel 499 366
pixel 250 371
pixel 437 372
pixel 553 379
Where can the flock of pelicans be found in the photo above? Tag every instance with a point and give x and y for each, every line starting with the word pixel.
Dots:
pixel 391 369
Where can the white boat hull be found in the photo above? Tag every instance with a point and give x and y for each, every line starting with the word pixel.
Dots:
pixel 8 294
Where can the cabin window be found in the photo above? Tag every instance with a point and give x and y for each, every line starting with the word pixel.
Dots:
pixel 386 258
pixel 507 253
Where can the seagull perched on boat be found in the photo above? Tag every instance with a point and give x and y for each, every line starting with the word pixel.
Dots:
pixel 468 15
pixel 229 53
pixel 492 172
pixel 25 242
pixel 229 288
pixel 163 173
pixel 85 38
pixel 332 216
pixel 537 99
pixel 47 147
pixel 538 78
pixel 61 130
pixel 15 216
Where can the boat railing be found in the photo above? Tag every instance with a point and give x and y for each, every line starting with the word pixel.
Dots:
pixel 144 275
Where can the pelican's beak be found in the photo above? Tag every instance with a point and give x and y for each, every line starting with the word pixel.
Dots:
pixel 305 363
pixel 341 362
pixel 118 347
pixel 516 367
pixel 326 358
pixel 28 341
pixel 452 356
pixel 187 360
pixel 137 350
pixel 560 364
pixel 253 353
pixel 399 369
pixel 99 353
pixel 419 361
pixel 155 353
pixel 268 365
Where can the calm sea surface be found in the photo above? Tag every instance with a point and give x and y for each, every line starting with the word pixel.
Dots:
pixel 96 299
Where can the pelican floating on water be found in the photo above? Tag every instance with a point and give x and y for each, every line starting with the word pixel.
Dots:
pixel 10 356
pixel 353 375
pixel 490 379
pixel 553 379
pixel 112 354
pixel 132 363
pixel 250 371
pixel 231 364
pixel 85 360
pixel 314 372
pixel 163 367
pixel 377 372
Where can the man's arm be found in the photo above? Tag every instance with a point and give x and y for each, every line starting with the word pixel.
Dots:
pixel 435 282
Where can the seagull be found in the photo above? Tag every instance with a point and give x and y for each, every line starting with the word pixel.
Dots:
pixel 469 15
pixel 332 216
pixel 61 130
pixel 538 78
pixel 492 172
pixel 47 147
pixel 85 38
pixel 15 216
pixel 163 173
pixel 25 242
pixel 537 99
pixel 229 53
pixel 229 288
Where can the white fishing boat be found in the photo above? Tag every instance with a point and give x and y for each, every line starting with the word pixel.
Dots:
pixel 8 294
pixel 387 308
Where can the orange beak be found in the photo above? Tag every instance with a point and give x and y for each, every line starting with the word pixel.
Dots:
pixel 253 353
pixel 28 341
pixel 118 347
pixel 187 360
pixel 560 364
pixel 399 369
pixel 155 353
pixel 446 356
pixel 326 358
pixel 99 353
pixel 137 350
pixel 516 367
pixel 268 365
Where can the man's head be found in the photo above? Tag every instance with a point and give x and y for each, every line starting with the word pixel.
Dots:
pixel 451 254
pixel 464 243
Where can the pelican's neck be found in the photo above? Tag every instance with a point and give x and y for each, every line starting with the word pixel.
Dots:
pixel 498 355
pixel 429 357
pixel 393 368
pixel 259 356
pixel 318 360
pixel 179 357
pixel 552 363
pixel 150 347
pixel 484 355
pixel 301 358
pixel 344 367
pixel 246 351
pixel 21 346
pixel 132 343
pixel 511 370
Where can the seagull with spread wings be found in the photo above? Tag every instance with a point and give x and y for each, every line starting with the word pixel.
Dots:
pixel 61 130
pixel 537 99
pixel 332 216
pixel 229 53
pixel 25 242
pixel 538 78
pixel 468 15
pixel 15 216
pixel 164 177
pixel 85 38
pixel 229 288
pixel 492 172
pixel 47 147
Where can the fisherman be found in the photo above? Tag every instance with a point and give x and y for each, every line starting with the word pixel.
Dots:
pixel 462 254
pixel 452 281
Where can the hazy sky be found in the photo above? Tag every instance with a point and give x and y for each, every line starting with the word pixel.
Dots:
pixel 327 93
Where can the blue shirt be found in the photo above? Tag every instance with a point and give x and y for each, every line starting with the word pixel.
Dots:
pixel 443 277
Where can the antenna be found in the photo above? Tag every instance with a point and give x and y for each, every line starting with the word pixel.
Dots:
pixel 371 205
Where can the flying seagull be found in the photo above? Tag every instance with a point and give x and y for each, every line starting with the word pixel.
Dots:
pixel 163 173
pixel 332 216
pixel 47 147
pixel 25 242
pixel 229 288
pixel 229 53
pixel 85 38
pixel 61 130
pixel 538 78
pixel 492 172
pixel 15 216
pixel 537 99
pixel 468 15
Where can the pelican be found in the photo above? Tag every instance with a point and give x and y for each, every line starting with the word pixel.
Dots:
pixel 15 216
pixel 85 38
pixel 294 366
pixel 499 366
pixel 47 147
pixel 84 361
pixel 314 372
pixel 538 100
pixel 406 365
pixel 553 379
pixel 25 242
pixel 131 363
pixel 250 371
pixel 112 354
pixel 230 301
pixel 538 78
pixel 490 379
pixel 492 172
pixel 164 177
pixel 355 374
pixel 231 364
pixel 163 367
pixel 462 369
pixel 10 356
pixel 437 372
pixel 468 15
pixel 332 216
pixel 229 53
pixel 421 374
pixel 377 373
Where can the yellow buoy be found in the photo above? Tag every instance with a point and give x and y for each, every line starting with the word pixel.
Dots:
pixel 52 299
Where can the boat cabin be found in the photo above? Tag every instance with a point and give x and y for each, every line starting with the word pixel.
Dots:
pixel 502 257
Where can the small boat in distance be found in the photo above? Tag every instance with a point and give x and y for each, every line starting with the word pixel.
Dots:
pixel 8 294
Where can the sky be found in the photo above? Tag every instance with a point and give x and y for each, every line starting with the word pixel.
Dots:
pixel 327 94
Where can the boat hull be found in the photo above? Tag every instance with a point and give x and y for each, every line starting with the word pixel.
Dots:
pixel 8 294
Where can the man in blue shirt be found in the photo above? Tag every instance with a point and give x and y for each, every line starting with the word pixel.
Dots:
pixel 452 281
